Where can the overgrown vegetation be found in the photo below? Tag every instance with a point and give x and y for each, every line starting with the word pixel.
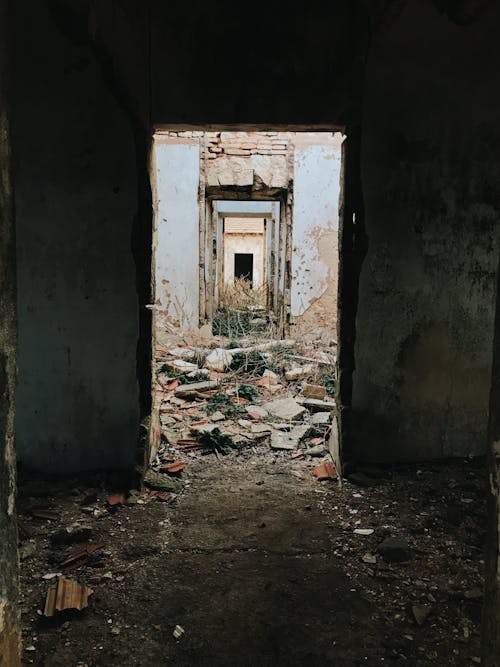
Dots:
pixel 249 362
pixel 328 381
pixel 241 310
pixel 247 391
pixel 221 402
pixel 216 441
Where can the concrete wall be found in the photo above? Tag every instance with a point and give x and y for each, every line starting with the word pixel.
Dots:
pixel 177 224
pixel 316 166
pixel 244 243
pixel 74 161
pixel 10 630
pixel 430 177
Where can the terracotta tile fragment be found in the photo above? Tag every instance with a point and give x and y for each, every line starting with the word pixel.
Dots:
pixel 325 471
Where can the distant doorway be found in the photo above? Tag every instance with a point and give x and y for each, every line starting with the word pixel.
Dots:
pixel 243 267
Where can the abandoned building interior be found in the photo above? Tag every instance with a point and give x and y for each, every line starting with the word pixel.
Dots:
pixel 249 333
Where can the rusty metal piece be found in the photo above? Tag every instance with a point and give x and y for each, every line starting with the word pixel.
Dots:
pixel 66 594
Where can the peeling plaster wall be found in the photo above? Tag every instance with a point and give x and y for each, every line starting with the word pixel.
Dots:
pixel 74 161
pixel 317 166
pixel 430 172
pixel 177 224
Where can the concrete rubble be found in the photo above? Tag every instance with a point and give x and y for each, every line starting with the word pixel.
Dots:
pixel 274 394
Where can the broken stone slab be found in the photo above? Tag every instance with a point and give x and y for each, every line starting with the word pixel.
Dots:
pixel 219 359
pixel 218 417
pixel 285 409
pixel 260 429
pixel 394 550
pixel 316 391
pixel 182 352
pixel 184 390
pixel 245 423
pixel 315 404
pixel 299 372
pixel 321 418
pixel 257 410
pixel 181 366
pixel 290 440
pixel 161 482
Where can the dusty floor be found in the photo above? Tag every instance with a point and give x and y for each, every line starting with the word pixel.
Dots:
pixel 258 562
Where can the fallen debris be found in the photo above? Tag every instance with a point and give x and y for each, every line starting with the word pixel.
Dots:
pixel 286 409
pixel 325 471
pixel 66 594
pixel 81 553
pixel 116 499
pixel 315 391
pixel 161 482
pixel 178 631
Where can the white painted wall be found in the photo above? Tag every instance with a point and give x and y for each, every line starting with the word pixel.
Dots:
pixel 317 163
pixel 177 253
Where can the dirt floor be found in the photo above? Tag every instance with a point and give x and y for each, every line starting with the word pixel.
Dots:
pixel 259 564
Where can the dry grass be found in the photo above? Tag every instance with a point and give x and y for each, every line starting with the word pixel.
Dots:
pixel 242 296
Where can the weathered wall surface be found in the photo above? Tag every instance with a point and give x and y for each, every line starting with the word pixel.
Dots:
pixel 247 159
pixel 177 232
pixel 10 631
pixel 317 165
pixel 77 399
pixel 430 174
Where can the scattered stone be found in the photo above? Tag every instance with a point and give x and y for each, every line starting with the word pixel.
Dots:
pixel 320 418
pixel 156 480
pixel 363 531
pixel 285 409
pixel 204 428
pixel 245 423
pixel 182 352
pixel 178 632
pixel 185 390
pixel 218 417
pixel 421 612
pixel 290 440
pixel 394 550
pixel 256 412
pixel 219 359
pixel 202 371
pixel 315 404
pixel 369 558
pixel 316 391
pixel 181 366
pixel 318 450
pixel 298 372
pixel 260 429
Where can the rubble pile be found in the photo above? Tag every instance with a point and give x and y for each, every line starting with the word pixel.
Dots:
pixel 231 397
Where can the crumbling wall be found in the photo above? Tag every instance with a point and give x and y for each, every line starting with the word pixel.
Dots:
pixel 247 159
pixel 74 160
pixel 430 175
pixel 315 261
